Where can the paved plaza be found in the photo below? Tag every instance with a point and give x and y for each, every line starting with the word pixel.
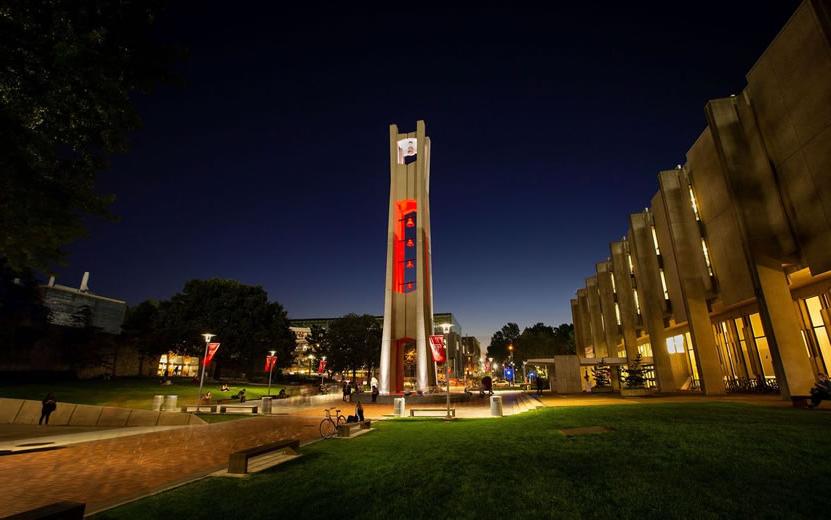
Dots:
pixel 105 469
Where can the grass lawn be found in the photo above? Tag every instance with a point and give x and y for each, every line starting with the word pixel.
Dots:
pixel 661 461
pixel 126 392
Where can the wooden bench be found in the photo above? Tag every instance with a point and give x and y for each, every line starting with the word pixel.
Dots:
pixel 239 408
pixel 345 429
pixel 442 410
pixel 238 461
pixel 210 408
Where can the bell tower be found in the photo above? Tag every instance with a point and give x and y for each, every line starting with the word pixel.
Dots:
pixel 408 297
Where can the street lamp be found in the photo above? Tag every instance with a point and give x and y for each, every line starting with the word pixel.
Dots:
pixel 446 328
pixel 270 370
pixel 322 372
pixel 208 336
pixel 311 358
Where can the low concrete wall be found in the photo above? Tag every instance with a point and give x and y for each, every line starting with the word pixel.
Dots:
pixel 25 411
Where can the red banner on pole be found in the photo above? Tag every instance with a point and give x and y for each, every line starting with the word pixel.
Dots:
pixel 321 366
pixel 270 361
pixel 212 348
pixel 438 348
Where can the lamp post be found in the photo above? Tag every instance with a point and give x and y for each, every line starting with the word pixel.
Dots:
pixel 322 372
pixel 208 336
pixel 311 358
pixel 446 328
pixel 270 370
pixel 511 361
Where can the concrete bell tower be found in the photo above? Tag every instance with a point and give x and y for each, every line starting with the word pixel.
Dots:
pixel 408 299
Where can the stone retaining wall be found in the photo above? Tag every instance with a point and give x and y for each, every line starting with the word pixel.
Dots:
pixel 24 411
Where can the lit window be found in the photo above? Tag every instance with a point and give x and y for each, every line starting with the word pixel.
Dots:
pixel 707 257
pixel 694 203
pixel 631 267
pixel 617 313
pixel 637 302
pixel 645 350
pixel 655 241
pixel 664 284
pixel 675 344
pixel 614 289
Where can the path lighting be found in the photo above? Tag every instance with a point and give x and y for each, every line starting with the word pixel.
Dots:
pixel 270 370
pixel 446 328
pixel 208 337
pixel 311 358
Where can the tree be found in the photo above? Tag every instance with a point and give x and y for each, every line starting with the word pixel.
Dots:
pixel 498 348
pixel 353 342
pixel 23 317
pixel 602 375
pixel 140 329
pixel 244 321
pixel 69 70
pixel 635 374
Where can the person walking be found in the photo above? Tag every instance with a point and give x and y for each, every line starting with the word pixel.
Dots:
pixel 539 385
pixel 375 394
pixel 49 406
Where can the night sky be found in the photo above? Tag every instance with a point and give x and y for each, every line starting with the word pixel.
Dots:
pixel 269 164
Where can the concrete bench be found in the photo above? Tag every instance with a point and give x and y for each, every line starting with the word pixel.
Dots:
pixel 58 510
pixel 432 410
pixel 345 429
pixel 209 408
pixel 239 408
pixel 238 461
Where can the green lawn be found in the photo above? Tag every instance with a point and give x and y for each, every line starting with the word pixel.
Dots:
pixel 126 392
pixel 661 461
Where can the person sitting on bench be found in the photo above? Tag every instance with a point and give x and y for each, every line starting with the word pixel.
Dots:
pixel 281 394
pixel 359 414
pixel 224 388
pixel 821 391
pixel 239 395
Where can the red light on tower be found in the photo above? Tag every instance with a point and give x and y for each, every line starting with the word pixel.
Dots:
pixel 410 222
pixel 410 243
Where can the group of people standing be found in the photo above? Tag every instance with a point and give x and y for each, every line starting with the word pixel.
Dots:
pixel 349 388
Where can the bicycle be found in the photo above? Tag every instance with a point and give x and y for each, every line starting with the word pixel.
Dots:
pixel 329 425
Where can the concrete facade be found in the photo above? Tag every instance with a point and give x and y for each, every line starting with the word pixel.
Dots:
pixel 408 299
pixel 729 282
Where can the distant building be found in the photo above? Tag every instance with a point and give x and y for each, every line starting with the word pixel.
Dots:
pixel 472 351
pixel 71 307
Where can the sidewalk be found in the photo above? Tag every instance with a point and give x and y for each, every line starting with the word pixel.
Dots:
pixel 107 472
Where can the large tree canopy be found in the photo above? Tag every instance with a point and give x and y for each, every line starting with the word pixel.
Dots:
pixel 67 71
pixel 244 321
pixel 537 341
pixel 351 342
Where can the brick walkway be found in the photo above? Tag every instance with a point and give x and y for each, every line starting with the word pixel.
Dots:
pixel 108 472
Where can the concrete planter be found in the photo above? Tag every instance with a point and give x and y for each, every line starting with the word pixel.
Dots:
pixel 634 392
pixel 601 389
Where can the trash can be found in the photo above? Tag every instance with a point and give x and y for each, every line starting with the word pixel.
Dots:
pixel 266 406
pixel 398 407
pixel 157 402
pixel 496 406
pixel 171 403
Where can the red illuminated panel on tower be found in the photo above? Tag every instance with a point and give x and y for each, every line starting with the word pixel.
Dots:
pixel 404 277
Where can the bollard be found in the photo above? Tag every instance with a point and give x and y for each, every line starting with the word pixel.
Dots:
pixel 496 406
pixel 171 403
pixel 399 407
pixel 157 402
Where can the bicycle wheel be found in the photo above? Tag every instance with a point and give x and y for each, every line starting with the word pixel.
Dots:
pixel 341 420
pixel 327 428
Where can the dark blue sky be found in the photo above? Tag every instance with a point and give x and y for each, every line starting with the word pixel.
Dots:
pixel 270 164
